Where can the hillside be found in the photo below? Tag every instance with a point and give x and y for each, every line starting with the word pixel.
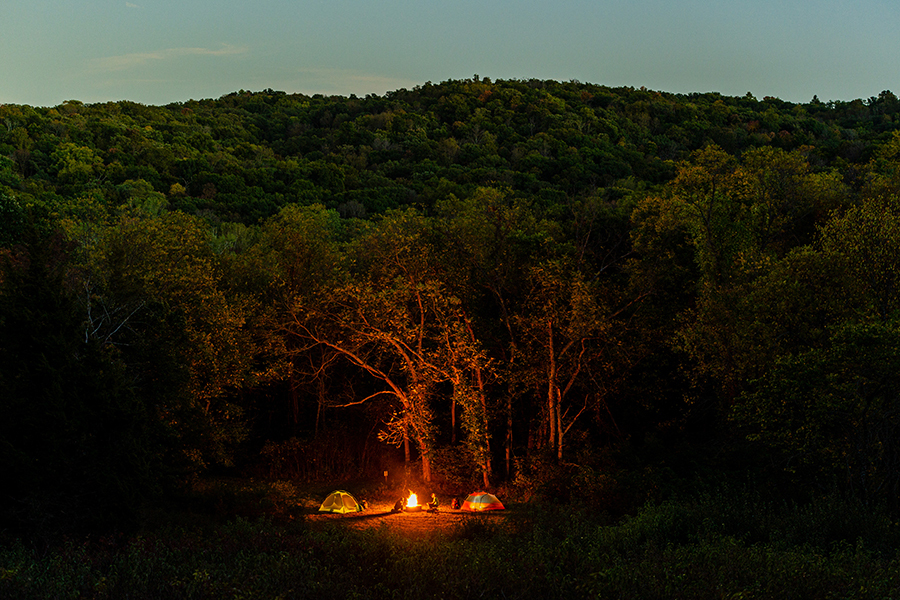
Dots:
pixel 533 284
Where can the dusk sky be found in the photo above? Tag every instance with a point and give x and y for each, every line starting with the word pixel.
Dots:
pixel 161 51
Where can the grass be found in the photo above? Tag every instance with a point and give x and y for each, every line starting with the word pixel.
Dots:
pixel 709 546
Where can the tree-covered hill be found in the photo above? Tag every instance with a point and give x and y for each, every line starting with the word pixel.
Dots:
pixel 526 283
pixel 246 155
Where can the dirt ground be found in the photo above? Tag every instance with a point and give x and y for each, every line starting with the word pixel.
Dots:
pixel 379 514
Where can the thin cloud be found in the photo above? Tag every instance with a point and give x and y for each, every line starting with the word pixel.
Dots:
pixel 137 59
pixel 131 5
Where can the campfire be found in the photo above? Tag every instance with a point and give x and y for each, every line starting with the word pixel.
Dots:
pixel 412 503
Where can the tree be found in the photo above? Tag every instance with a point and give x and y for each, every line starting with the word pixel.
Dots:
pixel 76 166
pixel 827 403
pixel 743 218
pixel 12 218
pixel 293 261
pixel 386 320
pixel 711 197
pixel 486 242
pixel 568 330
pixel 79 447
pixel 832 414
pixel 867 237
pixel 466 366
pixel 153 289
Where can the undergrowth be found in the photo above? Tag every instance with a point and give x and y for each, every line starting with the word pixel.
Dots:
pixel 708 546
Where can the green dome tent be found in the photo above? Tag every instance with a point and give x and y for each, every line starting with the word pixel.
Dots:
pixel 340 501
pixel 482 501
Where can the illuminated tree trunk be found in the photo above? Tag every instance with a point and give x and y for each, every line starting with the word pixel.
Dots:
pixel 453 421
pixel 556 394
pixel 421 419
pixel 426 465
pixel 559 428
pixel 552 396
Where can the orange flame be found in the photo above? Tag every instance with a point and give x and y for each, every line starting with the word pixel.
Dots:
pixel 412 500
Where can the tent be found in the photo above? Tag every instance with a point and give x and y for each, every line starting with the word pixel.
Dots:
pixel 340 501
pixel 482 501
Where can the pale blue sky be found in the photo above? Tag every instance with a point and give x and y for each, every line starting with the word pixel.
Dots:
pixel 160 51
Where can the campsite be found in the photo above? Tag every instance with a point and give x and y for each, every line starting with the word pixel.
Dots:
pixel 413 523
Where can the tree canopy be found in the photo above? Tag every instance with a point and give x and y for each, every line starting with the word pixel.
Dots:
pixel 492 276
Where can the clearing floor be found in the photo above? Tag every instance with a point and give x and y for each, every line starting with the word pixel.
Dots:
pixel 379 514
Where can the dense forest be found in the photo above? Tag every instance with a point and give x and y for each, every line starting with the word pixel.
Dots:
pixel 533 284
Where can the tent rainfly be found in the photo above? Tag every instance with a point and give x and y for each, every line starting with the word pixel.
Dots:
pixel 340 501
pixel 482 501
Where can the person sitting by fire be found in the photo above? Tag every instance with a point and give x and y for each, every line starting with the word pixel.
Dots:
pixel 398 506
pixel 433 505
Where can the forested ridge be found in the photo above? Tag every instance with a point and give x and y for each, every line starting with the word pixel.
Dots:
pixel 530 284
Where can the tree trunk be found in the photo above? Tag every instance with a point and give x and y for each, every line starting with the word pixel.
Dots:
pixel 406 442
pixel 486 470
pixel 509 435
pixel 452 420
pixel 560 431
pixel 486 465
pixel 552 405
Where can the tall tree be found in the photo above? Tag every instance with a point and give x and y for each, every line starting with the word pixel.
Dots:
pixel 154 290
pixel 293 262
pixel 742 217
pixel 487 241
pixel 569 333
pixel 78 446
pixel 387 320
pixel 826 405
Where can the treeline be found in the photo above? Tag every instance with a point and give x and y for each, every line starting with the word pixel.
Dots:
pixel 518 282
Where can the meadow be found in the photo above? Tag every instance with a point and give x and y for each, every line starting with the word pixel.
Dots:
pixel 261 540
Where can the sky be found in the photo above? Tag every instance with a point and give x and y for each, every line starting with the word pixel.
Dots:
pixel 161 51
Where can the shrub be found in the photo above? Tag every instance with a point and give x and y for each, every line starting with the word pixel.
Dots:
pixel 711 545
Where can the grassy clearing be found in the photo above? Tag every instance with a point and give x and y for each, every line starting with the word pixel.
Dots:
pixel 706 547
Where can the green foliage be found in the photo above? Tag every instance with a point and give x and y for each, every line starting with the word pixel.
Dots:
pixel 80 448
pixel 12 218
pixel 687 549
pixel 866 238
pixel 614 267
pixel 157 293
pixel 245 163
pixel 824 403
pixel 830 413
pixel 456 468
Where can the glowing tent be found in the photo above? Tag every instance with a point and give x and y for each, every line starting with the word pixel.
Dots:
pixel 482 501
pixel 340 502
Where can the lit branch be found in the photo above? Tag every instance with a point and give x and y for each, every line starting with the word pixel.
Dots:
pixel 366 399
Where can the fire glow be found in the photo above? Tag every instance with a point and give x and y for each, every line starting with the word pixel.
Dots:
pixel 412 501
